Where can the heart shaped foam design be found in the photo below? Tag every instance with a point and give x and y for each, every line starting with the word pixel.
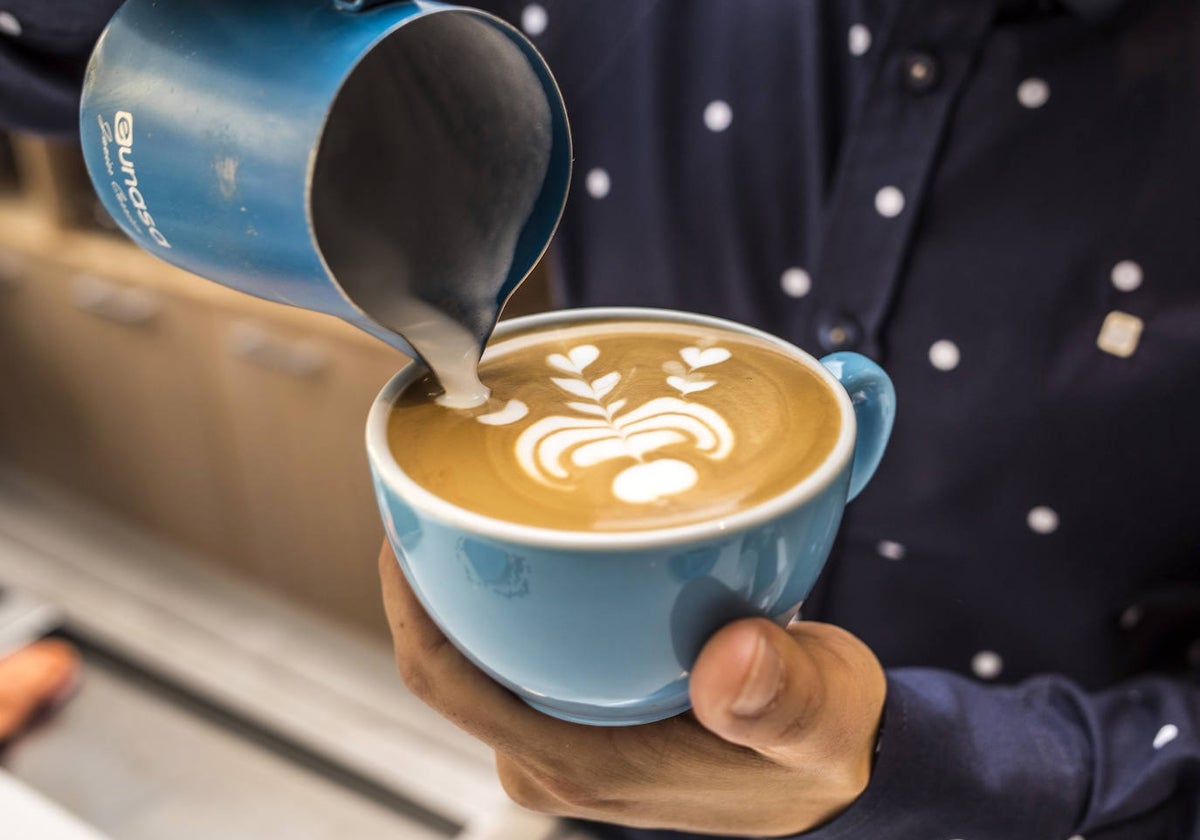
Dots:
pixel 685 386
pixel 576 360
pixel 698 358
pixel 648 482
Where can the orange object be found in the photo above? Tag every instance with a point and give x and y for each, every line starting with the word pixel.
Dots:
pixel 33 681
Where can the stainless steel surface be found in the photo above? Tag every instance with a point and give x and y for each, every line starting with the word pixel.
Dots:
pixel 213 709
pixel 139 762
pixel 23 619
pixel 28 814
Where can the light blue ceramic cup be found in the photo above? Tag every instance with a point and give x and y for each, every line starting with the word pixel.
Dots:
pixel 603 628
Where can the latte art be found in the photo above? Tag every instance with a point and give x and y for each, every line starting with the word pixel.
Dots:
pixel 621 426
pixel 601 428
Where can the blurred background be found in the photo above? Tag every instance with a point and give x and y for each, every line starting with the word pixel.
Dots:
pixel 184 495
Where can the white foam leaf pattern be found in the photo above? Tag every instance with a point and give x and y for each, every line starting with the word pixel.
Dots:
pixel 590 454
pixel 660 422
pixel 576 360
pixel 698 358
pixel 644 442
pixel 709 430
pixel 603 386
pixel 575 387
pixel 689 386
pixel 600 433
pixel 588 408
pixel 513 411
pixel 540 447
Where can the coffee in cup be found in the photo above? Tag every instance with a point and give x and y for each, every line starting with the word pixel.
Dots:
pixel 621 425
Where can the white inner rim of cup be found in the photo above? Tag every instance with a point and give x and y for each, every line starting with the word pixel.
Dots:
pixel 437 508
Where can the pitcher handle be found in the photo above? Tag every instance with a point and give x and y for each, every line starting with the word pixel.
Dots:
pixel 874 399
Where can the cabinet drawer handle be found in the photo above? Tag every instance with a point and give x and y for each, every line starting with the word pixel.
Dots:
pixel 127 306
pixel 298 359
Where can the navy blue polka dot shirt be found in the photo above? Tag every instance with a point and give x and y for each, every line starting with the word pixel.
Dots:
pixel 998 201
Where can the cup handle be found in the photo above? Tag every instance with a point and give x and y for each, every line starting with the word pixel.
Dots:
pixel 874 399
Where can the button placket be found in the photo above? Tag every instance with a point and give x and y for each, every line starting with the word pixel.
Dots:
pixel 838 331
pixel 887 162
pixel 921 71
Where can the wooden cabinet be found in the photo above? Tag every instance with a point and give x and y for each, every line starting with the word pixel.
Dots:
pixel 293 410
pixel 113 399
pixel 228 424
pixel 232 426
pixel 40 418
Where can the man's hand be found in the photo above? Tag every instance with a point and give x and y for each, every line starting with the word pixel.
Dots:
pixel 780 740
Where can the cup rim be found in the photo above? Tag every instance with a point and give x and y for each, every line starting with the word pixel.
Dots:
pixel 432 506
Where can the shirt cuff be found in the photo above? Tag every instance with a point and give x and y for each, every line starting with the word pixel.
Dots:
pixel 958 759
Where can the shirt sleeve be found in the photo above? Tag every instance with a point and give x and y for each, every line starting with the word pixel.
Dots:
pixel 1042 760
pixel 43 55
pixel 39 94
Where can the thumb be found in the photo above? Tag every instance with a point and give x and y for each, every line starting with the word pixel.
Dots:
pixel 811 693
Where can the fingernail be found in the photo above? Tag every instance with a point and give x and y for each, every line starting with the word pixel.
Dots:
pixel 763 683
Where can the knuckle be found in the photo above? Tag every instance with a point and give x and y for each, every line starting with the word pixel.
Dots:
pixel 418 661
pixel 521 789
pixel 415 677
pixel 581 796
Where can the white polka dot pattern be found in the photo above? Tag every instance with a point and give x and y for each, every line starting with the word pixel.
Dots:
pixel 1126 276
pixel 598 183
pixel 718 116
pixel 987 664
pixel 796 282
pixel 534 19
pixel 1165 736
pixel 890 550
pixel 9 25
pixel 944 355
pixel 1042 520
pixel 1076 837
pixel 1131 617
pixel 860 39
pixel 1033 93
pixel 889 202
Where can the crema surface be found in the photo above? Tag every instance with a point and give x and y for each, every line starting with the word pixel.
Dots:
pixel 621 426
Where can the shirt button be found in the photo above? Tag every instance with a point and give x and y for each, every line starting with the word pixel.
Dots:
pixel 921 72
pixel 838 332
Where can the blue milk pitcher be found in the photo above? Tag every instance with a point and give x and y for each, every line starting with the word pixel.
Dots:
pixel 401 165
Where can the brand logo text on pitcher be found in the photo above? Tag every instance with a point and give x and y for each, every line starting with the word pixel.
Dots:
pixel 122 134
